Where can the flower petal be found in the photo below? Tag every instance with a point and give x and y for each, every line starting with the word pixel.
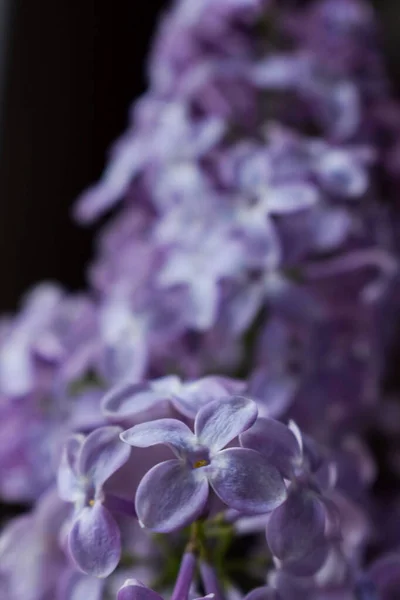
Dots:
pixel 385 574
pixel 170 496
pixel 296 527
pixel 102 454
pixel 172 432
pixel 221 421
pixel 204 297
pixel 125 352
pixel 95 541
pixel 130 399
pixel 273 391
pixel 275 442
pixel 67 476
pixel 17 373
pixel 245 481
pixel 135 590
pixel 262 593
pixel 310 563
pixel 291 197
pixel 193 395
pixel 341 174
pixel 77 586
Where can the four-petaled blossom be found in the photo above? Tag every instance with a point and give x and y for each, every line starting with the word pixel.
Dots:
pixel 296 529
pixel 174 493
pixel 87 463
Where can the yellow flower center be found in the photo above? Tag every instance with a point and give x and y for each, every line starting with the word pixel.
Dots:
pixel 200 463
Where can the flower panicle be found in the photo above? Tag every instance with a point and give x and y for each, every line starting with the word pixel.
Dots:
pixel 204 417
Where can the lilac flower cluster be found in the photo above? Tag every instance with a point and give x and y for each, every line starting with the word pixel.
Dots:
pixel 253 235
pixel 243 215
pixel 271 483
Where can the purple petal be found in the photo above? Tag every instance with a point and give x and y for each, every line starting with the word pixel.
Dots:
pixel 296 527
pixel 17 373
pixel 172 432
pixel 262 593
pixel 385 574
pixel 275 442
pixel 135 590
pixel 221 421
pixel 67 477
pixel 210 580
pixel 125 343
pixel 193 395
pixel 310 563
pixel 245 481
pixel 273 392
pixel 291 197
pixel 102 454
pixel 95 541
pixel 341 174
pixel 125 358
pixel 290 300
pixel 204 296
pixel 170 496
pixel 184 579
pixel 295 429
pixel 130 399
pixel 105 194
pixel 289 587
pixel 77 586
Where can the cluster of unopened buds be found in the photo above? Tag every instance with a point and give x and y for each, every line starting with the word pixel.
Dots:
pixel 254 234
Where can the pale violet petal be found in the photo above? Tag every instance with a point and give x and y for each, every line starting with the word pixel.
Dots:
pixel 245 481
pixel 170 496
pixel 219 422
pixel 172 432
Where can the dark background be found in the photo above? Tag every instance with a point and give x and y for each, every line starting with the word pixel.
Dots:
pixel 69 70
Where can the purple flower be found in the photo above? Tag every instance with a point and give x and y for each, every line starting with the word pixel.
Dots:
pixel 54 332
pixel 243 245
pixel 274 176
pixel 342 172
pixel 131 400
pixel 124 337
pixel 296 529
pixel 31 559
pixel 174 493
pixel 18 374
pixel 164 134
pixel 210 255
pixel 94 537
pixel 341 33
pixel 133 327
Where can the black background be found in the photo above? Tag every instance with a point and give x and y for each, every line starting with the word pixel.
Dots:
pixel 72 68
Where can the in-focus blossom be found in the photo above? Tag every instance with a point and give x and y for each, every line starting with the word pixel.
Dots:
pixel 240 477
pixel 94 536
